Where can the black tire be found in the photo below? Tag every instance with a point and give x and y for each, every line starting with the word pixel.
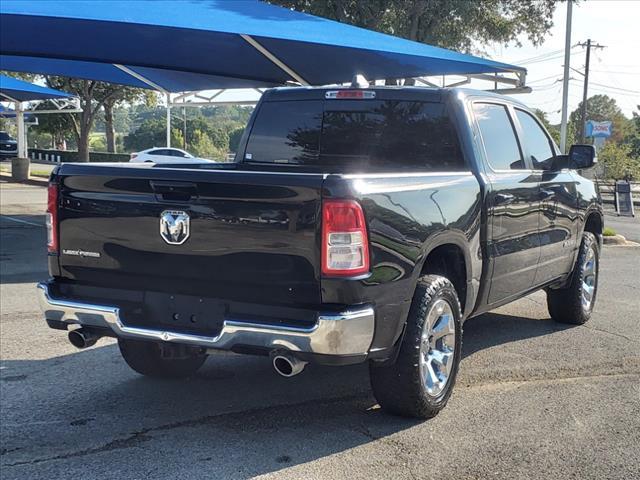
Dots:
pixel 146 359
pixel 566 304
pixel 399 387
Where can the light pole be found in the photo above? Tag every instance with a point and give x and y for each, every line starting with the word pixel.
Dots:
pixel 565 80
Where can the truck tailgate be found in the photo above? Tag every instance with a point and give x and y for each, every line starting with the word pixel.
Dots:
pixel 252 235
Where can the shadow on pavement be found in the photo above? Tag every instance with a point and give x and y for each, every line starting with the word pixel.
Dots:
pixel 235 415
pixel 23 248
pixel 492 329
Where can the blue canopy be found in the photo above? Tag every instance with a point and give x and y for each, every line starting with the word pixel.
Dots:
pixel 200 44
pixel 168 80
pixel 15 90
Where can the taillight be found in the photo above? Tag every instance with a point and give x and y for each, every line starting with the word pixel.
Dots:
pixel 345 246
pixel 52 218
pixel 133 155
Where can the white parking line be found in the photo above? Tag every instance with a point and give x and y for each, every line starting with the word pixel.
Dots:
pixel 22 221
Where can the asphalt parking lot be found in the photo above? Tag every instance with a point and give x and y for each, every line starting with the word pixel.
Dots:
pixel 534 399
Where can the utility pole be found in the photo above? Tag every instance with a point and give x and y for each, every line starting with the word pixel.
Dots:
pixel 583 110
pixel 184 128
pixel 565 80
pixel 168 119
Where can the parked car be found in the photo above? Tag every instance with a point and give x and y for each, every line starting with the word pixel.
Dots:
pixel 355 225
pixel 8 146
pixel 165 155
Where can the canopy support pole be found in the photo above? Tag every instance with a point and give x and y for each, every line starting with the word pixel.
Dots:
pixel 22 151
pixel 169 119
pixel 22 134
pixel 255 44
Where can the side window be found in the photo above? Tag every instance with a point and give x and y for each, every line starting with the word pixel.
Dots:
pixel 158 152
pixel 536 140
pixel 498 136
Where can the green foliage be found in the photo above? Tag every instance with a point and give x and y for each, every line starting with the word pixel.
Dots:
pixel 234 138
pixel 97 143
pixel 601 108
pixel 152 133
pixel 553 130
pixel 202 145
pixel 618 162
pixel 609 232
pixel 456 24
pixel 633 135
pixel 59 126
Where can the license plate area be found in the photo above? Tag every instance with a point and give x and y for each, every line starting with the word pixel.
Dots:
pixel 183 313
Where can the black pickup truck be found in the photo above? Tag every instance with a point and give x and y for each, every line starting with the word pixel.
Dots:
pixel 356 224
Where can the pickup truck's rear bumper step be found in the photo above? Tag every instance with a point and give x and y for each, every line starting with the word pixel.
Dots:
pixel 348 333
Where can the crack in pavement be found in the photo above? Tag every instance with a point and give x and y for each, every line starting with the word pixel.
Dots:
pixel 619 335
pixel 138 437
pixel 144 435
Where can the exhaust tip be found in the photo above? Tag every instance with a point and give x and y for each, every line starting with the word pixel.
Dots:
pixel 287 365
pixel 82 339
pixel 283 366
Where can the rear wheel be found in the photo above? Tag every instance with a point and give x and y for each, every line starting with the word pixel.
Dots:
pixel 148 358
pixel 574 303
pixel 420 381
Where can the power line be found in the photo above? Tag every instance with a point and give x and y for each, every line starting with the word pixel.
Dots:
pixel 616 72
pixel 616 88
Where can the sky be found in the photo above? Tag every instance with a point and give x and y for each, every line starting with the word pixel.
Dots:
pixel 614 70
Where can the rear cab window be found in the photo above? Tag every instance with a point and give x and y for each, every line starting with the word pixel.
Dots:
pixel 364 135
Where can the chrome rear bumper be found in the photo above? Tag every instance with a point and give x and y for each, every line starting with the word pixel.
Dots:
pixel 347 333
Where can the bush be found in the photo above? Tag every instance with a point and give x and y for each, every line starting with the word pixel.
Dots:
pixel 618 162
pixel 609 232
pixel 202 146
pixel 98 143
pixel 234 138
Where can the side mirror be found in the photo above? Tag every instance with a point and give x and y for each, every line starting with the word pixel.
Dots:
pixel 581 157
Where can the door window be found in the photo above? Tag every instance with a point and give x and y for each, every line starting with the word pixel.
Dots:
pixel 538 144
pixel 159 152
pixel 498 136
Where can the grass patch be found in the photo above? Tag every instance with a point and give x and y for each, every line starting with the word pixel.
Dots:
pixel 609 232
pixel 34 173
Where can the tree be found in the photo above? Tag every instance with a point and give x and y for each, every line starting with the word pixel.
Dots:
pixel 123 95
pixel 633 135
pixel 58 125
pixel 456 24
pixel 618 161
pixel 553 130
pixel 151 133
pixel 234 138
pixel 601 108
pixel 93 95
pixel 202 146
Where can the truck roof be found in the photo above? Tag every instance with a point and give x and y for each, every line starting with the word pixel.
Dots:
pixel 430 94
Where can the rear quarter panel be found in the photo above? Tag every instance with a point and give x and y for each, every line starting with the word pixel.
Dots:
pixel 408 215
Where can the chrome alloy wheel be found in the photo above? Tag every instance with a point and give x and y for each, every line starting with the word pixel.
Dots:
pixel 437 347
pixel 589 280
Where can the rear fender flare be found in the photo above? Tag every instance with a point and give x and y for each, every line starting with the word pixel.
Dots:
pixel 472 261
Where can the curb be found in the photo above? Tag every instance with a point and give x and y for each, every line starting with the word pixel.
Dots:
pixel 37 182
pixel 618 241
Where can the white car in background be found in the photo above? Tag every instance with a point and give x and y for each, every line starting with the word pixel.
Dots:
pixel 165 155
